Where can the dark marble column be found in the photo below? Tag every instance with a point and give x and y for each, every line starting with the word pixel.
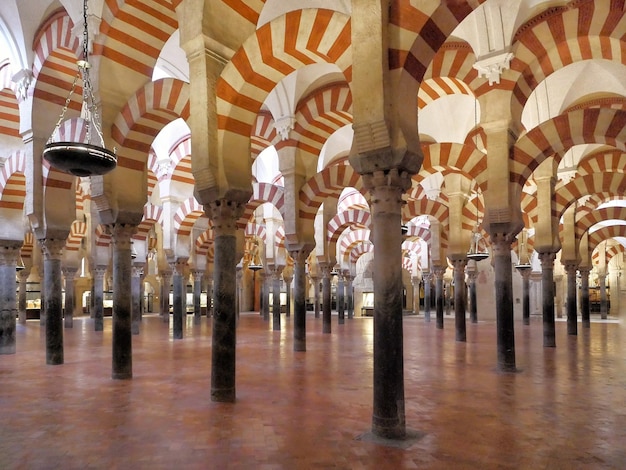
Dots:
pixel 438 273
pixel 604 308
pixel 427 277
pixel 209 298
pixel 525 272
pixel 98 297
pixel 166 282
pixel 316 296
pixel 572 320
pixel 69 273
pixel 276 273
pixel 178 298
pixel 121 327
pixel 341 308
pixel 459 299
pixel 415 294
pixel 21 296
pixel 584 298
pixel 135 294
pixel 52 250
pixel 142 292
pixel 239 296
pixel 288 280
pixel 447 298
pixel 547 298
pixel 386 189
pixel 266 277
pixel 197 291
pixel 326 310
pixel 349 295
pixel 501 245
pixel 473 306
pixel 9 254
pixel 224 215
pixel 299 296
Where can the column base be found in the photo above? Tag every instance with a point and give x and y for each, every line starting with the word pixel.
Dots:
pixel 299 345
pixel 388 428
pixel 7 349
pixel 223 396
pixel 122 375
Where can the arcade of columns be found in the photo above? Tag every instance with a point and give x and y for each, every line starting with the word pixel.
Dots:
pixel 336 93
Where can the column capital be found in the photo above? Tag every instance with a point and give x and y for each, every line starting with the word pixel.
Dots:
pixel 501 243
pixel 570 268
pixel 99 271
pixel 300 254
pixel 584 271
pixel 52 248
pixel 547 260
pixel 10 253
pixel 224 214
pixel 136 270
pixel 326 268
pixel 121 235
pixel 69 271
pixel 387 188
pixel 438 272
pixel 198 274
pixel 459 263
pixel 179 266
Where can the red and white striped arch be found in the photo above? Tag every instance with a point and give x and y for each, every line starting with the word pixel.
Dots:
pixel 180 157
pixel 263 193
pixel 559 37
pixel 29 243
pixel 102 236
pixel 330 181
pixel 186 216
pixel 592 217
pixel 608 160
pixel 581 186
pixel 611 251
pixel 152 215
pixel 13 186
pixel 81 197
pixel 133 32
pixel 255 230
pixel 263 133
pixel 290 42
pixel 434 88
pixel 552 138
pixel 357 250
pixel 432 208
pixel 321 114
pixel 352 199
pixel 78 230
pixel 610 231
pixel 464 158
pixel 9 107
pixel 204 242
pixel 418 231
pixel 349 238
pixel 144 115
pixel 353 218
pixel 279 238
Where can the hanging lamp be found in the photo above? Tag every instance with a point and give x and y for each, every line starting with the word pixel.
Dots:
pixel 20 265
pixel 255 264
pixel 81 158
pixel 478 250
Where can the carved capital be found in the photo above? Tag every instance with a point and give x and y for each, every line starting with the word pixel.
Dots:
pixel 438 272
pixel 547 260
pixel 179 266
pixel 224 215
pixel 501 244
pixel 52 248
pixel 121 235
pixel 570 268
pixel 197 274
pixel 9 254
pixel 99 272
pixel 459 264
pixel 69 272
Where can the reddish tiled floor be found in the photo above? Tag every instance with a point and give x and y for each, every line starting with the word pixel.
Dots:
pixel 565 409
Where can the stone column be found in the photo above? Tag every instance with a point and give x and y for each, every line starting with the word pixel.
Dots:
pixel 209 299
pixel 68 274
pixel 572 325
pixel 386 189
pixel 166 281
pixel 341 312
pixel 459 299
pixel 603 301
pixel 197 291
pixel 288 280
pixel 415 284
pixel 438 273
pixel 473 314
pixel 179 298
pixel 547 298
pixel 501 244
pixel 9 254
pixel 326 311
pixel 52 250
pixel 122 363
pixel 584 297
pixel 135 294
pixel 142 292
pixel 98 297
pixel 316 296
pixel 266 277
pixel 239 296
pixel 427 278
pixel 299 305
pixel 21 296
pixel 276 273
pixel 525 273
pixel 349 296
pixel 224 215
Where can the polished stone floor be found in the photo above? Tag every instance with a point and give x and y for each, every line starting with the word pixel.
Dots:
pixel 565 409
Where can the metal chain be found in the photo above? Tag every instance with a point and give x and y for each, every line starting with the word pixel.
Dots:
pixel 65 106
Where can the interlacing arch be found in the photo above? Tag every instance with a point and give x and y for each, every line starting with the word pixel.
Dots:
pixel 596 216
pixel 263 133
pixel 186 216
pixel 54 40
pixel 357 250
pixel 321 114
pixel 550 43
pixel 449 155
pixel 152 214
pixel 581 186
pixel 78 230
pixel 345 219
pixel 551 138
pixel 328 182
pixel 255 69
pixel 263 193
pixel 433 208
pixel 144 115
pixel 349 238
